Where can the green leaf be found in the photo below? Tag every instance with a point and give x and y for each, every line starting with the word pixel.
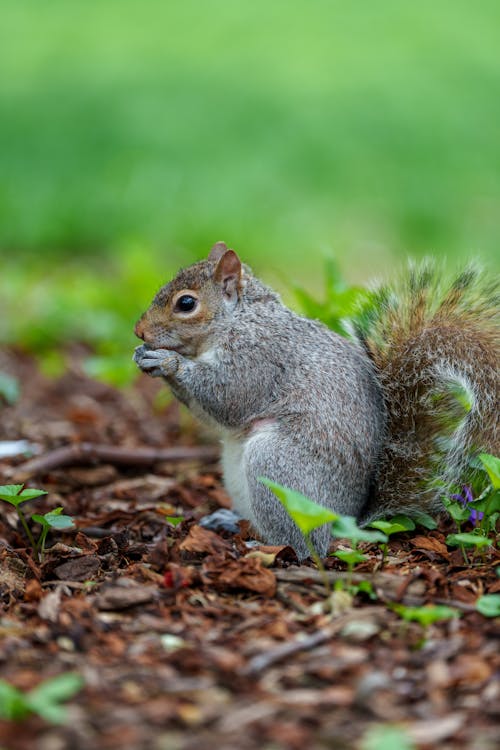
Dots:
pixel 12 494
pixel 423 519
pixel 31 494
pixel 307 514
pixel 488 503
pixel 386 737
pixel 51 712
pixel 425 615
pixel 345 527
pixel 457 510
pixel 44 700
pixel 174 520
pixel 13 705
pixel 10 489
pixel 342 302
pixel 468 539
pixel 37 518
pixel 492 466
pixel 350 556
pixel 389 528
pixel 405 521
pixel 9 388
pixel 59 521
pixel 366 587
pixel 489 605
pixel 310 305
pixel 59 688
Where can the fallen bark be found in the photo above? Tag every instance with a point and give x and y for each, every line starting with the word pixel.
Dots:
pixel 260 662
pixel 387 585
pixel 88 453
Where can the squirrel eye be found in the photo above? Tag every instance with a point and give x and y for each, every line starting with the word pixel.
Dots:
pixel 186 303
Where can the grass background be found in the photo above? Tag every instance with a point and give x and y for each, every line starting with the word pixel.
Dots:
pixel 134 135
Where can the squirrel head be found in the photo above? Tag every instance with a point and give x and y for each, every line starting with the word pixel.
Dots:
pixel 186 311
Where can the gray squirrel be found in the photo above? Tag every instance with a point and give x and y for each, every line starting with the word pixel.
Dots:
pixel 366 427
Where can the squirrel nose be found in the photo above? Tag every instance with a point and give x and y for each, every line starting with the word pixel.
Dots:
pixel 139 329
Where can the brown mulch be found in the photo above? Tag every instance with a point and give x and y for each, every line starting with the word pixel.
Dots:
pixel 189 639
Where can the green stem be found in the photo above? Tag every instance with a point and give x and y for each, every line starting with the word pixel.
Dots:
pixel 464 554
pixel 41 543
pixel 385 550
pixel 28 532
pixel 319 563
pixel 350 569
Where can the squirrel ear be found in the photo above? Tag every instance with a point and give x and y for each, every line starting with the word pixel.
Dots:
pixel 228 273
pixel 217 251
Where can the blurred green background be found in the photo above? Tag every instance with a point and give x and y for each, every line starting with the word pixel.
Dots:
pixel 135 134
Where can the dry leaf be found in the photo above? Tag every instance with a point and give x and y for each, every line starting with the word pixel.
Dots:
pixel 202 540
pixel 430 543
pixel 247 573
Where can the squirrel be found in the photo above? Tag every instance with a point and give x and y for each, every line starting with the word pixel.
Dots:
pixel 366 426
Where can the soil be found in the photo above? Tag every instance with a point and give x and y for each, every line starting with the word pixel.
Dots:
pixel 187 638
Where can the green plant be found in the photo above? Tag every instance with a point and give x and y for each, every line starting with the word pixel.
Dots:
pixel 489 605
pixel 468 539
pixel 482 498
pixel 418 517
pixel 351 557
pixel 364 587
pixel 478 503
pixel 307 514
pixel 15 495
pixel 386 737
pixel 174 520
pixel 44 700
pixel 54 519
pixel 346 527
pixel 425 615
pixel 341 303
pixel 473 539
pixel 491 465
pixel 457 509
pixel 394 526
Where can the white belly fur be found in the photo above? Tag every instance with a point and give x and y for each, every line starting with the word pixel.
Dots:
pixel 235 465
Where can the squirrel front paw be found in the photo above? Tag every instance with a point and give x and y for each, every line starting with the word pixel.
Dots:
pixel 157 362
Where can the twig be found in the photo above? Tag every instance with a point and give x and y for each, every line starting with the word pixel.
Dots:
pixel 84 453
pixel 305 576
pixel 261 662
pixel 389 586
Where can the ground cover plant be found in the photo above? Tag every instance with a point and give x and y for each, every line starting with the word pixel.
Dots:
pixel 15 495
pixel 43 700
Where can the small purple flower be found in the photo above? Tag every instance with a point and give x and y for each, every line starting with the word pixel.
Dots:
pixel 476 516
pixel 466 498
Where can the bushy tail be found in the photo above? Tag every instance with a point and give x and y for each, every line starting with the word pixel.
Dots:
pixel 436 349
